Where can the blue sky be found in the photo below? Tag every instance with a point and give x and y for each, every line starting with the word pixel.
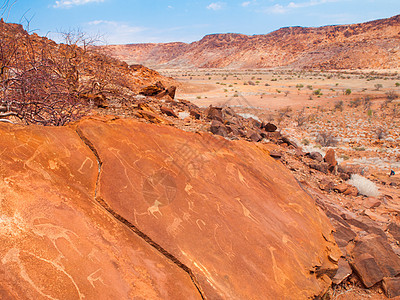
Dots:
pixel 138 21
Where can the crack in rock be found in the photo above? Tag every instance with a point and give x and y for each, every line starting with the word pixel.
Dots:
pixel 132 227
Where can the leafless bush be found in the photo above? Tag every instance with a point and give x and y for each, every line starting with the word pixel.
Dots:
pixel 391 95
pixel 301 118
pixel 326 139
pixel 339 105
pixel 32 88
pixel 355 103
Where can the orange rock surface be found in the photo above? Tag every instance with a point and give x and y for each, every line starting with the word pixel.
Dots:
pixel 117 209
pixel 226 210
pixel 56 242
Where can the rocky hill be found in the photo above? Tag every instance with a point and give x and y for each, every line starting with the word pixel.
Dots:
pixel 371 45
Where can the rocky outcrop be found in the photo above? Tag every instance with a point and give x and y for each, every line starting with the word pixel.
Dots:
pixel 371 45
pixel 116 208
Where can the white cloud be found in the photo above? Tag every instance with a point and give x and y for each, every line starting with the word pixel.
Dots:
pixel 277 9
pixel 216 6
pixel 70 3
pixel 245 4
pixel 118 27
pixel 116 32
pixel 280 9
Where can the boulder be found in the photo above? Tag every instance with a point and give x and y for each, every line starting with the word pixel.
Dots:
pixel 394 230
pixel 343 272
pixel 322 167
pixel 351 191
pixel 218 128
pixel 269 127
pixel 316 156
pixel 253 135
pixel 168 111
pixel 213 113
pixel 194 113
pixel 374 259
pixel 326 185
pixel 275 154
pixel 391 286
pixel 367 269
pixel 330 158
pixel 152 90
pixel 171 91
pixel 346 189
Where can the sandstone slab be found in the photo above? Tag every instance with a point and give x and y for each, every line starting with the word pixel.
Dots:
pixel 235 217
pixel 56 242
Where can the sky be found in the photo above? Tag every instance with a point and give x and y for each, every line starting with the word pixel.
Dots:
pixel 148 21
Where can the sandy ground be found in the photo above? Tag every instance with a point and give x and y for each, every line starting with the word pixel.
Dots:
pixel 277 89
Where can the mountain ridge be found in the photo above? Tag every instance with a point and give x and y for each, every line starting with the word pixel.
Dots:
pixel 371 45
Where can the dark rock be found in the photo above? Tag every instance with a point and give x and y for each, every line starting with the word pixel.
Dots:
pixel 234 129
pixel 349 169
pixel 374 259
pixel 391 286
pixel 344 271
pixel 367 269
pixel 218 128
pixel 269 127
pixel 316 156
pixel 171 91
pixel 275 154
pixel 322 167
pixel 344 176
pixel 394 230
pixel 253 135
pixel 228 111
pixel 255 123
pixel 195 114
pixel 326 185
pixel 168 111
pixel 214 113
pixel 343 235
pixel 300 153
pixel 286 140
pixel 152 90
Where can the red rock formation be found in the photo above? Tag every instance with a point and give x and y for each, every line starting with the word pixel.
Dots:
pixel 371 45
pixel 126 209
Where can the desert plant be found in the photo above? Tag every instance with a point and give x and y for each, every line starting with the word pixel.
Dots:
pixel 364 186
pixel 378 86
pixel 347 92
pixel 339 105
pixel 317 92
